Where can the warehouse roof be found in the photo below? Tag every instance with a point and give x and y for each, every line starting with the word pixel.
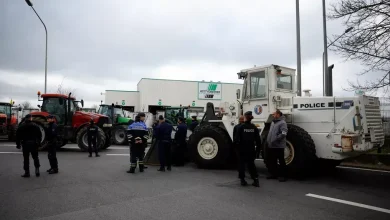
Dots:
pixel 168 80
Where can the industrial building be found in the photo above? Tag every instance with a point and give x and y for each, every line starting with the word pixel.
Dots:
pixel 155 94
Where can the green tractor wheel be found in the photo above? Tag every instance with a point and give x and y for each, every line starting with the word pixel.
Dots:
pixel 119 135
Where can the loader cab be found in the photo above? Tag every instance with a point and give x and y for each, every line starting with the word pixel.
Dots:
pixel 267 88
pixel 62 107
pixel 6 109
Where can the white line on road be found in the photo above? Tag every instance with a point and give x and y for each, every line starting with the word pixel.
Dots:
pixel 118 154
pixel 357 168
pixel 114 148
pixel 10 152
pixel 349 203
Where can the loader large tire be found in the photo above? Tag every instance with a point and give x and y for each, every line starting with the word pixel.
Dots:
pixel 210 147
pixel 82 138
pixel 300 152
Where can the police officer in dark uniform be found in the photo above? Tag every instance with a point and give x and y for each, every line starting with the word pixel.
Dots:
pixel 194 123
pixel 246 136
pixel 29 136
pixel 163 133
pixel 52 145
pixel 180 145
pixel 93 133
pixel 137 135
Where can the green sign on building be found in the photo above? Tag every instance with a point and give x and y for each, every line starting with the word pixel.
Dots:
pixel 123 102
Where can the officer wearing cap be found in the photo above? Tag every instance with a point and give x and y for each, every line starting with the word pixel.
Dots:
pixel 138 135
pixel 29 136
pixel 93 133
pixel 163 133
pixel 52 134
pixel 246 136
pixel 180 145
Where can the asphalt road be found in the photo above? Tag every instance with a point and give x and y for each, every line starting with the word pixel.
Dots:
pixel 99 188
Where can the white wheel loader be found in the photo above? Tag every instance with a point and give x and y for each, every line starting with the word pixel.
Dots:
pixel 321 130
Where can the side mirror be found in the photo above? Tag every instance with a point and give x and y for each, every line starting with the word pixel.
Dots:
pixel 61 101
pixel 82 103
pixel 238 93
pixel 20 109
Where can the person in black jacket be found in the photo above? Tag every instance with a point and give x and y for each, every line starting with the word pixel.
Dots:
pixel 138 135
pixel 163 133
pixel 246 136
pixel 51 133
pixel 29 136
pixel 194 123
pixel 180 145
pixel 93 135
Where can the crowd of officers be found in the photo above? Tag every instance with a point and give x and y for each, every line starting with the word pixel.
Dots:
pixel 246 137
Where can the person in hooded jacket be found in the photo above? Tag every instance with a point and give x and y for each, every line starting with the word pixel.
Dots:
pixel 193 124
pixel 163 133
pixel 181 144
pixel 138 135
pixel 52 134
pixel 247 138
pixel 276 142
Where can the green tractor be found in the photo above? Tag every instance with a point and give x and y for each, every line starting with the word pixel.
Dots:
pixel 172 114
pixel 119 122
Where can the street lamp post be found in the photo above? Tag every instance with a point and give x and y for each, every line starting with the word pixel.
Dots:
pixel 325 62
pixel 29 3
pixel 325 67
pixel 298 32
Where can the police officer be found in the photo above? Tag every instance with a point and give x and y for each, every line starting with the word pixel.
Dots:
pixel 52 145
pixel 29 136
pixel 194 123
pixel 93 133
pixel 246 136
pixel 142 120
pixel 180 146
pixel 137 135
pixel 163 133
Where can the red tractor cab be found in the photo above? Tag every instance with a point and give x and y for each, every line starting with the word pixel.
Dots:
pixel 8 121
pixel 72 123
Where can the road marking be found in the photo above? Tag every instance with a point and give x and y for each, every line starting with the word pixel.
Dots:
pixel 118 154
pixel 357 168
pixel 10 152
pixel 349 203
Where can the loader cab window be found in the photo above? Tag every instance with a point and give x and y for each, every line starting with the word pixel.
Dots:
pixel 55 107
pixel 258 85
pixel 284 81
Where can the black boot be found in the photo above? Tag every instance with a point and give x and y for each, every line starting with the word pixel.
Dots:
pixel 26 174
pixel 141 168
pixel 49 170
pixel 243 182
pixel 162 169
pixel 97 155
pixel 132 170
pixel 90 155
pixel 37 172
pixel 53 171
pixel 169 168
pixel 256 183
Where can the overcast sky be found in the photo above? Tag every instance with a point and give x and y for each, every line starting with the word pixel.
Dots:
pixel 96 45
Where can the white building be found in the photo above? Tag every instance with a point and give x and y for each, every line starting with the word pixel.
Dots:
pixel 155 94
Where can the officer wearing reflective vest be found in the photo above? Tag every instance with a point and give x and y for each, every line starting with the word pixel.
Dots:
pixel 137 135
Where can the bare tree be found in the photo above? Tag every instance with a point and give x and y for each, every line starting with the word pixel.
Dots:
pixel 26 105
pixel 95 107
pixel 65 90
pixel 369 40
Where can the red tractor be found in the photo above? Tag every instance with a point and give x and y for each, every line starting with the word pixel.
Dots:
pixel 72 123
pixel 8 121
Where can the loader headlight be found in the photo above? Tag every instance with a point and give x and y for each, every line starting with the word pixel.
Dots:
pixel 107 125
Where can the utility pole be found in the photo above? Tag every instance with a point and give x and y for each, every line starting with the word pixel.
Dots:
pixel 325 79
pixel 299 76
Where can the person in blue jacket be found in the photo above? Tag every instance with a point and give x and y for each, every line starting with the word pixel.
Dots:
pixel 137 135
pixel 163 132
pixel 180 143
pixel 194 123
